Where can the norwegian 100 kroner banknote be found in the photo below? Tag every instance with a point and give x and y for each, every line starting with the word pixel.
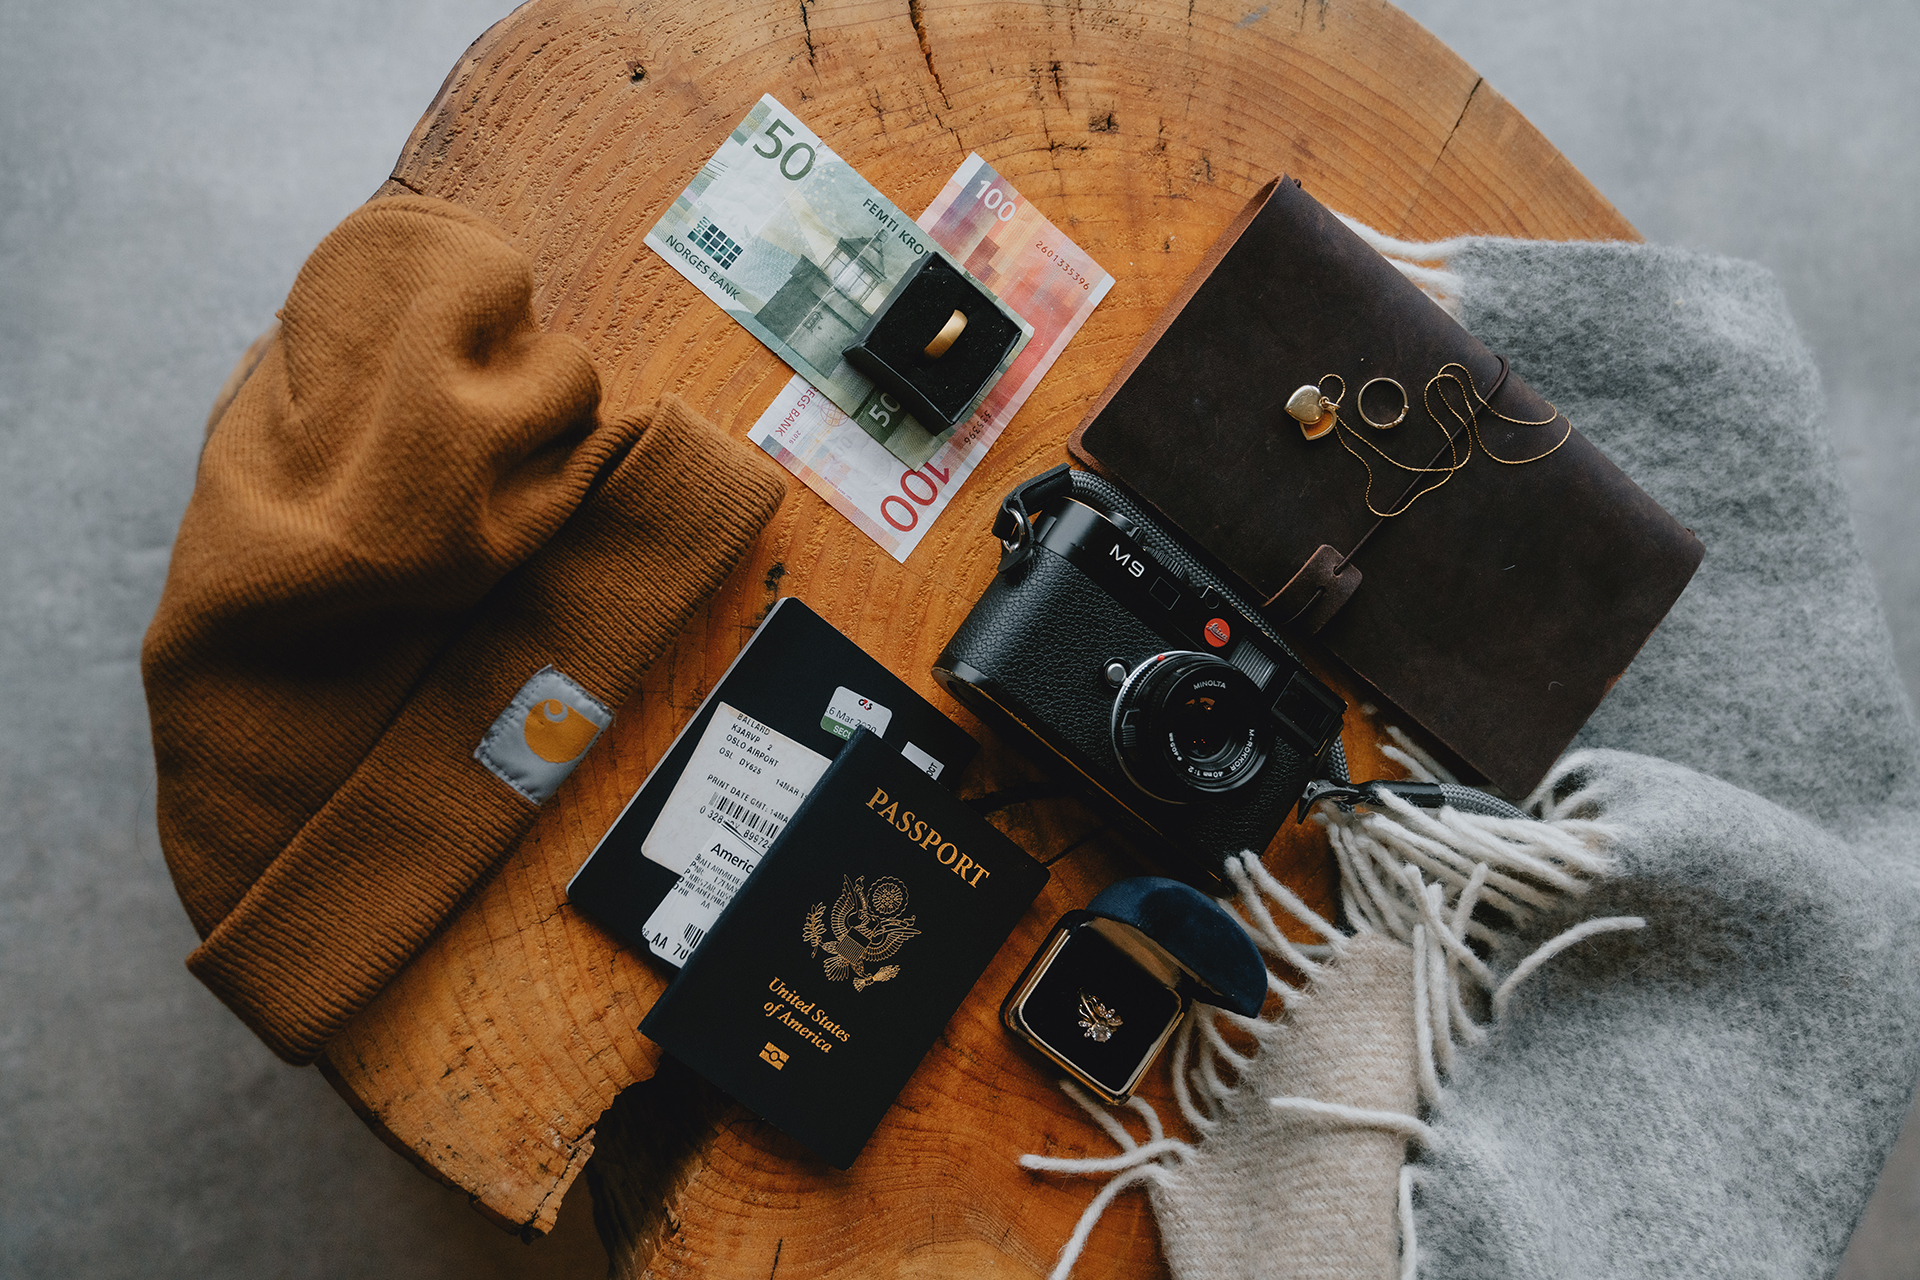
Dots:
pixel 794 244
pixel 1046 279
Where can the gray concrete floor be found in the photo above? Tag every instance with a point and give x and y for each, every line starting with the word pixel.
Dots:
pixel 165 168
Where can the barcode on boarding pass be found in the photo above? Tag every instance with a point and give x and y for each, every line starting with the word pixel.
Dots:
pixel 693 933
pixel 727 808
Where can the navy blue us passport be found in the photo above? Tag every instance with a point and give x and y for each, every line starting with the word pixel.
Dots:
pixel 832 971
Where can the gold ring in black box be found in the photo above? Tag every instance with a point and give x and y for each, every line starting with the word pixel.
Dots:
pixel 1109 986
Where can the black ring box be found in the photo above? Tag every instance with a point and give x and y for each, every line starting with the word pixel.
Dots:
pixel 1109 986
pixel 891 349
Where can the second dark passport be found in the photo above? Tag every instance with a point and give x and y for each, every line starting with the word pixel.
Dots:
pixel 833 970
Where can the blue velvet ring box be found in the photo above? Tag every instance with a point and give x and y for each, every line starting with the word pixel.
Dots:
pixel 1109 986
pixel 891 349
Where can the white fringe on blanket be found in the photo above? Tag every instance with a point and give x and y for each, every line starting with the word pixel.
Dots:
pixel 1437 882
pixel 1409 256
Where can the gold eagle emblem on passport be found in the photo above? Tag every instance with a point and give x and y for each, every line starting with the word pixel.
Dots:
pixel 867 927
pixel 1096 1019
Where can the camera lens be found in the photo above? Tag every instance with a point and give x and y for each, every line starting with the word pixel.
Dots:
pixel 1187 725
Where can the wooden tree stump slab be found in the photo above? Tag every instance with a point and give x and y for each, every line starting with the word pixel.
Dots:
pixel 1140 127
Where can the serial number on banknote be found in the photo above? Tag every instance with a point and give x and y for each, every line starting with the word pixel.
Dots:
pixel 1053 255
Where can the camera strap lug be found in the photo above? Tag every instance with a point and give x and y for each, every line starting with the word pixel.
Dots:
pixel 1421 795
pixel 1013 523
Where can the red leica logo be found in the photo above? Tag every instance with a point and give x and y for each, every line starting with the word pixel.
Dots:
pixel 1218 633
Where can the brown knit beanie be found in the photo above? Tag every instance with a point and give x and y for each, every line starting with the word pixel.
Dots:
pixel 419 572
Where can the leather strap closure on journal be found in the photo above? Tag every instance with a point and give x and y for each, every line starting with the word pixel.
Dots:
pixel 1314 594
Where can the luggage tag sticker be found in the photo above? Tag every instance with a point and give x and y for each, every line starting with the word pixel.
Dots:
pixel 848 711
pixel 923 760
pixel 712 877
pixel 745 778
pixel 736 794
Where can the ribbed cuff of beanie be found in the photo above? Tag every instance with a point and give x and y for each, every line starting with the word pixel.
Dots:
pixel 370 878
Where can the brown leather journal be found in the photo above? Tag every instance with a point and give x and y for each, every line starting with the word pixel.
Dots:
pixel 1498 609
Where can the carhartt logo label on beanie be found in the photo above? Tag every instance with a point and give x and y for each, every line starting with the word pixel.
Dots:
pixel 542 734
pixel 556 732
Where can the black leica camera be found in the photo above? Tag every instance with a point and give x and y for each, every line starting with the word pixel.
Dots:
pixel 1134 669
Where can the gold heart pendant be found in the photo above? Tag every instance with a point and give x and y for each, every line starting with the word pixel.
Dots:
pixel 1313 411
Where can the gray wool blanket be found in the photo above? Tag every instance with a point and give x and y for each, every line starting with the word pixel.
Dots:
pixel 1705 1078
pixel 1714 1095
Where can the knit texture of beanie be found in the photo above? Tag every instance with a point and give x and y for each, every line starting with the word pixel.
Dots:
pixel 420 571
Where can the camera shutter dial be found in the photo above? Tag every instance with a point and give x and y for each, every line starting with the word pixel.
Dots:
pixel 1188 725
